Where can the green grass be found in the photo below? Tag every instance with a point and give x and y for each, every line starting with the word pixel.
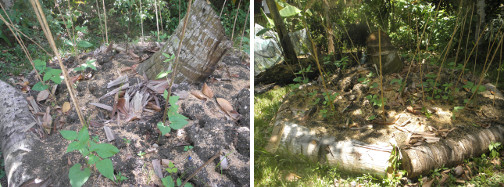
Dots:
pixel 271 169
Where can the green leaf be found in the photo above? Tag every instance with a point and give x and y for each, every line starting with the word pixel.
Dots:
pixel 104 150
pixel 177 121
pixel 69 135
pixel 77 176
pixel 164 129
pixel 76 145
pixel 262 31
pixel 163 74
pixel 68 42
pixel 457 108
pixel 89 63
pixel 39 86
pixel 165 94
pixel 83 135
pixel 54 75
pixel 179 182
pixel 84 150
pixel 93 159
pixel 39 65
pixel 106 168
pixel 288 10
pixel 168 181
pixel 84 44
pixel 188 185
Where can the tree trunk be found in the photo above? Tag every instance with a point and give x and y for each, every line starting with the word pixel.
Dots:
pixel 449 152
pixel 203 46
pixel 283 34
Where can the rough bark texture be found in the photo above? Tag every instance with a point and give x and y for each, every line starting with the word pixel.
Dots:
pixel 349 155
pixel 450 152
pixel 17 139
pixel 203 46
pixel 283 34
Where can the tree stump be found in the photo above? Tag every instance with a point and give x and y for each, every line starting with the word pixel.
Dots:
pixel 203 46
pixel 391 63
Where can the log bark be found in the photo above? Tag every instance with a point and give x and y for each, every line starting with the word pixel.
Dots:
pixel 348 155
pixel 203 46
pixel 449 152
pixel 17 139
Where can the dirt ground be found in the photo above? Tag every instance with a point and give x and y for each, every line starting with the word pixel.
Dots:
pixel 210 129
pixel 409 120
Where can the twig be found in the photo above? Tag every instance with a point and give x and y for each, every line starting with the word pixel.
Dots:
pixel 201 167
pixel 222 9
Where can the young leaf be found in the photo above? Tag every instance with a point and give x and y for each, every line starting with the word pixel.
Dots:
pixel 69 135
pixel 165 94
pixel 76 145
pixel 39 86
pixel 84 44
pixel 168 181
pixel 163 74
pixel 164 129
pixel 179 182
pixel 39 65
pixel 83 135
pixel 77 176
pixel 177 121
pixel 106 168
pixel 104 150
pixel 93 159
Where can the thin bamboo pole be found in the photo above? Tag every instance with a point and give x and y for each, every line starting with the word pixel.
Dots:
pixel 157 19
pixel 45 27
pixel 105 19
pixel 222 9
pixel 175 63
pixel 236 17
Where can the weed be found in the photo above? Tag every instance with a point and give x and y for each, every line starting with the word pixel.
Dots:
pixel 494 148
pixel 97 154
pixel 375 99
pixel 188 147
pixel 88 64
pixel 49 74
pixel 141 154
pixel 168 180
pixel 455 110
pixel 119 177
pixel 127 141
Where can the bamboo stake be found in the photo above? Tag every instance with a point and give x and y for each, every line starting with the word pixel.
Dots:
pixel 381 75
pixel 459 42
pixel 498 73
pixel 448 47
pixel 157 20
pixel 105 18
pixel 418 48
pixel 45 27
pixel 222 9
pixel 141 21
pixel 467 60
pixel 244 28
pixel 100 18
pixel 236 17
pixel 176 60
pixel 482 76
pixel 161 15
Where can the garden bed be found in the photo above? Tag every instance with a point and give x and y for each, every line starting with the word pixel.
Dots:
pixel 210 130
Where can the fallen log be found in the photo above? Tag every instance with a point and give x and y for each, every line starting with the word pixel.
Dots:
pixel 449 152
pixel 17 140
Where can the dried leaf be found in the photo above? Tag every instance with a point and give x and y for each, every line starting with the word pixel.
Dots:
pixel 234 114
pixel 156 164
pixel 66 107
pixel 42 95
pixel 207 91
pixel 47 119
pixel 153 106
pixel 120 80
pixel 109 133
pixel 198 95
pixel 106 107
pixel 225 105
